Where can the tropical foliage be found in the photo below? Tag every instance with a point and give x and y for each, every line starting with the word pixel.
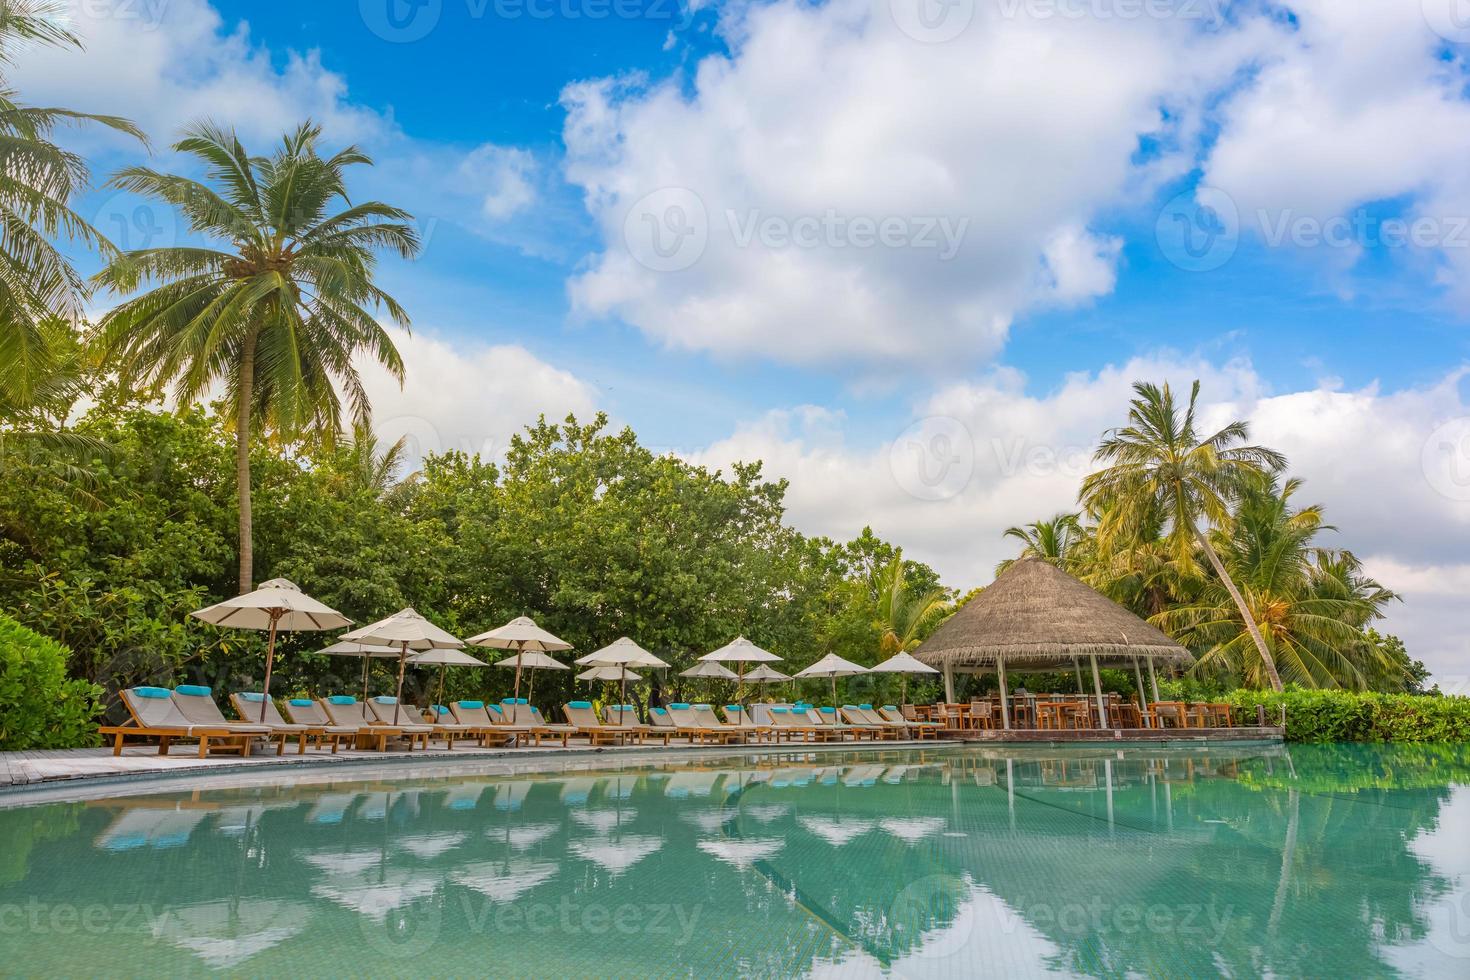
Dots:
pixel 278 311
pixel 40 707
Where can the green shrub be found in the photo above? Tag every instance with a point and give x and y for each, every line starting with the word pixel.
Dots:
pixel 40 708
pixel 1345 716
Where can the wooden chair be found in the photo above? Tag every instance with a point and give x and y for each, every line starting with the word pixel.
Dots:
pixel 982 715
pixel 1164 713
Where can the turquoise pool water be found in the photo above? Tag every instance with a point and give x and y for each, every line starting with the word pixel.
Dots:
pixel 1245 861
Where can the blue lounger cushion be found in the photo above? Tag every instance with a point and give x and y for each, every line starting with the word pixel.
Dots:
pixel 152 692
pixel 193 690
pixel 386 699
pixel 890 707
pixel 865 707
pixel 660 711
pixel 828 711
pixel 472 705
pixel 342 699
pixel 439 709
pixel 680 706
pixel 301 702
pixel 732 707
pixel 780 711
pixel 579 704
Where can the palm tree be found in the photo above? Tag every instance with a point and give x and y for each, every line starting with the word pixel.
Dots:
pixel 38 180
pixel 277 313
pixel 903 618
pixel 1158 465
pixel 1313 604
pixel 1053 541
pixel 363 466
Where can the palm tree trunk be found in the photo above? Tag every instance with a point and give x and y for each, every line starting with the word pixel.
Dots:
pixel 1245 613
pixel 246 395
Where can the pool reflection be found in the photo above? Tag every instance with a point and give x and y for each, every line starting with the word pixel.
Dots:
pixel 1337 860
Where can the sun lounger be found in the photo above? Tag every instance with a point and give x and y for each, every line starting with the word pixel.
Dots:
pixel 705 715
pixel 308 712
pixel 583 717
pixel 344 711
pixel 854 716
pixel 795 724
pixel 625 716
pixel 489 717
pixel 380 710
pixel 827 716
pixel 449 728
pixel 525 715
pixel 738 717
pixel 154 714
pixel 247 705
pixel 689 725
pixel 661 721
pixel 920 729
pixel 196 703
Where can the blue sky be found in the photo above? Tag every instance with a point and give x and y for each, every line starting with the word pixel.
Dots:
pixel 1070 151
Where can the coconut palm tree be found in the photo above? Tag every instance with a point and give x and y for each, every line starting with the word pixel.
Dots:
pixel 903 618
pixel 1054 541
pixel 1312 604
pixel 274 308
pixel 38 180
pixel 1159 465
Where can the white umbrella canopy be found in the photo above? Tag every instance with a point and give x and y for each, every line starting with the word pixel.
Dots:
pixel 740 651
pixel 367 651
pixel 833 667
pixel 610 673
pixel 903 663
pixel 277 605
pixel 444 658
pixel 407 630
pixel 520 634
pixel 767 675
pixel 534 660
pixel 621 651
pixel 710 671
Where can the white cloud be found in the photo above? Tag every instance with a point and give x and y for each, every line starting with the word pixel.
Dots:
pixel 459 396
pixel 984 456
pixel 503 176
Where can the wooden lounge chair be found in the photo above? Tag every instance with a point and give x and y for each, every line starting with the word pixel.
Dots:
pixel 827 716
pixel 449 728
pixel 247 706
pixel 659 720
pixel 794 723
pixel 153 714
pixel 737 715
pixel 705 715
pixel 920 729
pixel 309 712
pixel 478 713
pixel 196 703
pixel 862 714
pixel 380 710
pixel 525 713
pixel 625 717
pixel 583 717
pixel 685 721
pixel 345 711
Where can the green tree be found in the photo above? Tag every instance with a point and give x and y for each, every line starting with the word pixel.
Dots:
pixel 1312 604
pixel 277 314
pixel 1055 541
pixel 905 618
pixel 1160 465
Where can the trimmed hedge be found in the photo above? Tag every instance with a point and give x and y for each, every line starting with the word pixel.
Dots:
pixel 40 708
pixel 1346 716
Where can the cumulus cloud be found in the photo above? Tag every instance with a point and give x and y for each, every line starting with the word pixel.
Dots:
pixel 503 176
pixel 460 396
pixel 981 456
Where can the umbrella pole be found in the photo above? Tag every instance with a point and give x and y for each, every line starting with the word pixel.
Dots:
pixel 834 690
pixel 441 684
pixel 531 687
pixel 398 698
pixel 365 661
pixel 520 645
pixel 270 656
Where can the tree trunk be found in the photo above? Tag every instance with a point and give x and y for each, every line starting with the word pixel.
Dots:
pixel 1245 613
pixel 246 395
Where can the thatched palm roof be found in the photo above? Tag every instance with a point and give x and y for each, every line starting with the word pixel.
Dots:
pixel 1036 615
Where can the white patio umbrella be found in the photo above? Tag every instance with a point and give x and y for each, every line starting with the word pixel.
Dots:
pixel 367 651
pixel 534 660
pixel 713 672
pixel 903 663
pixel 832 666
pixel 445 658
pixel 622 652
pixel 520 634
pixel 610 674
pixel 276 605
pixel 406 630
pixel 766 675
pixel 740 651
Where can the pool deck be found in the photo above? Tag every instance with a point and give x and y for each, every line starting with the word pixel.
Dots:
pixel 56 766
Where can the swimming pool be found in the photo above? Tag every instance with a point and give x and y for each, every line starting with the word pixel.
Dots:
pixel 1244 860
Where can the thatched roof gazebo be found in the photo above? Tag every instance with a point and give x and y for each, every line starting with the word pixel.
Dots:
pixel 1037 617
